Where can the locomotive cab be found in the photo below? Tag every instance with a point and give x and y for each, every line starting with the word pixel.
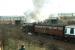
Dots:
pixel 70 31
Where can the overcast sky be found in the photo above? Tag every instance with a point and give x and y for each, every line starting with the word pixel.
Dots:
pixel 14 7
pixel 18 7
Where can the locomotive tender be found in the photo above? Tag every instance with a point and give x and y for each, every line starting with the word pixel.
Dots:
pixel 52 30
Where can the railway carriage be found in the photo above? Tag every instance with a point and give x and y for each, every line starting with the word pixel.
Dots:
pixel 70 31
pixel 51 30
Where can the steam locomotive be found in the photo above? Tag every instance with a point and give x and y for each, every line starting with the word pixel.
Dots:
pixel 58 31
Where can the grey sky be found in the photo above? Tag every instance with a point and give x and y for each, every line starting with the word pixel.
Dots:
pixel 18 7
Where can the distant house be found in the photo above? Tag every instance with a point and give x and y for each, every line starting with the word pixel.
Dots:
pixel 68 19
pixel 10 19
pixel 53 21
